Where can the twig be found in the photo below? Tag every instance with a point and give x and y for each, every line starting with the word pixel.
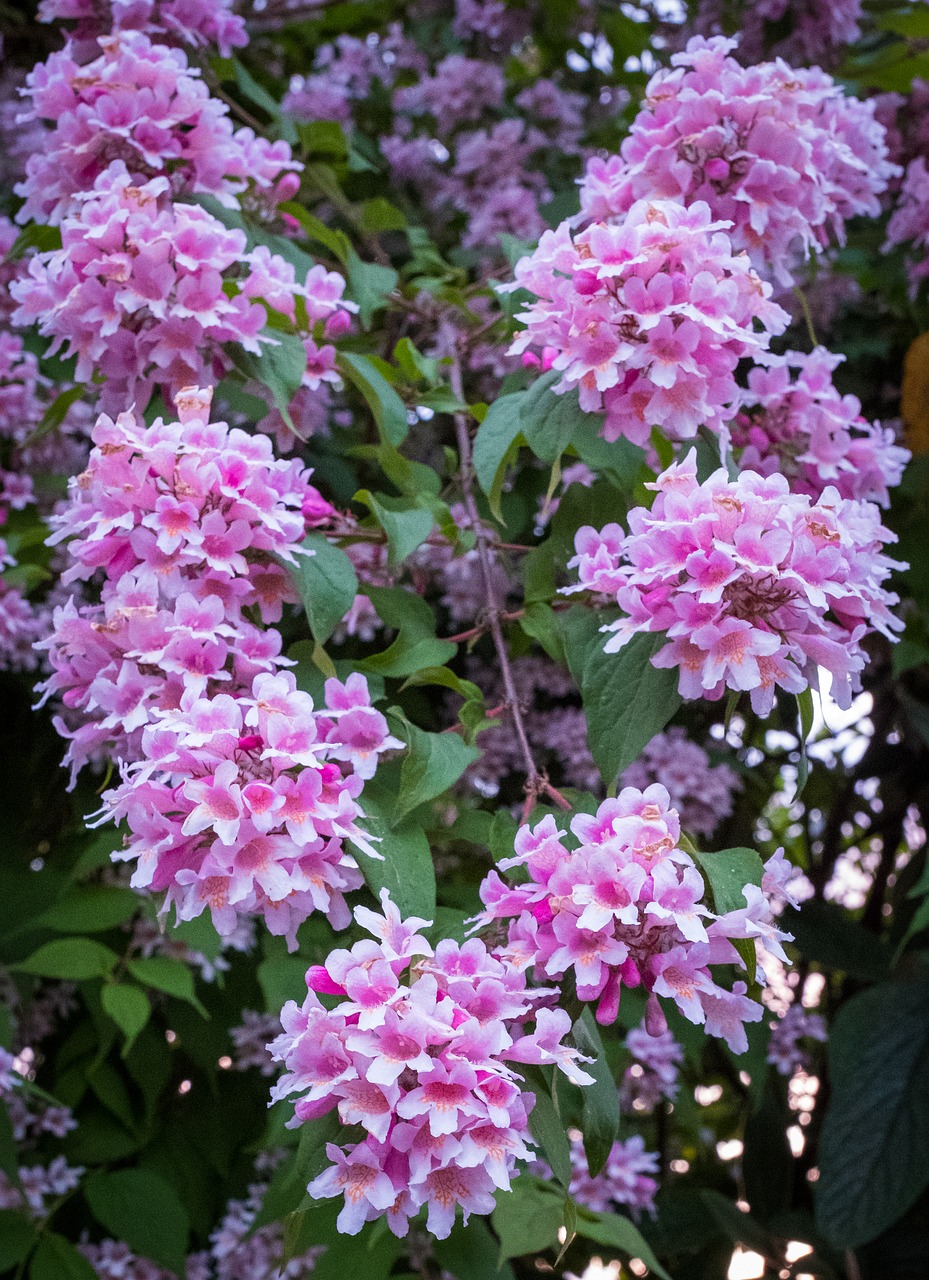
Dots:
pixel 807 314
pixel 536 783
pixel 378 535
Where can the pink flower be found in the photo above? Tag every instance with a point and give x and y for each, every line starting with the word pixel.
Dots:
pixel 422 1068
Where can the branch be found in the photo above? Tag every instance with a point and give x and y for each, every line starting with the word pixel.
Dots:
pixel 536 783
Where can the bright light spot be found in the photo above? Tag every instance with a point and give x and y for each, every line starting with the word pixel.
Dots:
pixel 796 1139
pixel 185 1086
pixel 170 1036
pixel 599 1270
pixel 745 1078
pixel 562 1234
pixel 707 1094
pixel 225 1062
pixel 745 1265
pixel 730 1150
pixel 812 1175
pixel 797 1249
pixel 680 1166
pixel 638 1267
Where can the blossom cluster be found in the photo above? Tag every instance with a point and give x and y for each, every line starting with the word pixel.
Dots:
pixel 627 907
pixel 794 421
pixel 188 521
pixel 755 587
pixel 648 317
pixel 779 152
pixel 803 33
pixel 701 793
pixel 785 1051
pixel 141 102
pixel 907 225
pixel 145 291
pixel 629 1179
pixel 416 1052
pixel 196 23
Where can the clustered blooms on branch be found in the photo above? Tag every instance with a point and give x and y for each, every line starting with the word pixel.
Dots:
pixel 779 152
pixel 801 32
pixel 416 1053
pixel 794 422
pixel 648 317
pixel 146 291
pixel 236 791
pixel 755 587
pixel 627 907
pixel 653 1074
pixel 184 22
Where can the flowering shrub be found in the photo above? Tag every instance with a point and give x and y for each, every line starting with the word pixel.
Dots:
pixel 413 420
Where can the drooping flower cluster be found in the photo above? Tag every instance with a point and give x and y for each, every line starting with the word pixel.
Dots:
pixel 755 587
pixel 794 421
pixel 188 521
pixel 653 1075
pixel 627 907
pixel 38 1186
pixel 700 792
pixel 649 317
pixel 197 23
pixel 239 803
pixel 416 1052
pixel 779 152
pixel 142 103
pixel 785 1051
pixel 145 291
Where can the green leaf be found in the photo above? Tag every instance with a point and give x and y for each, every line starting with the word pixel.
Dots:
pixel 617 1232
pixel 600 1100
pixel 90 909
pixel 874 1151
pixel 77 959
pixel 626 700
pixel 17 1236
pixel 471 1253
pixel 388 409
pixel 57 1259
pixel 413 364
pixel 728 872
pixel 434 762
pixel 57 411
pixel 407 527
pixel 379 215
pixel 327 583
pixel 128 1007
pixel 826 934
pixel 417 645
pixel 43 239
pixel 549 1132
pixel 314 228
pixel 369 284
pixel 281 976
pixel 279 367
pixel 407 870
pixel 144 1210
pixel 548 420
pixel 495 444
pixel 170 976
pixel 527 1218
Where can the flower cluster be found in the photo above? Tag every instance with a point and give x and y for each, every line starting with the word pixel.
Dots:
pixel 627 907
pixel 804 33
pixel 785 1052
pixel 189 521
pixel 416 1052
pixel 240 804
pixel 794 421
pixel 648 317
pixel 907 225
pixel 755 587
pixel 700 792
pixel 145 291
pixel 628 1179
pixel 187 23
pixel 38 1185
pixel 653 1074
pixel 142 103
pixel 781 153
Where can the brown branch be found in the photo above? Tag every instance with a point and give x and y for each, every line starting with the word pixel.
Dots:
pixel 536 783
